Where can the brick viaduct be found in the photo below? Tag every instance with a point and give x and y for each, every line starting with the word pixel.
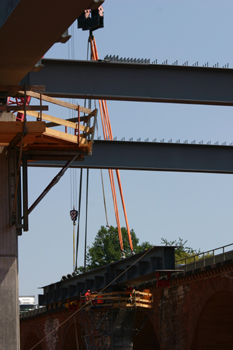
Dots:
pixel 195 313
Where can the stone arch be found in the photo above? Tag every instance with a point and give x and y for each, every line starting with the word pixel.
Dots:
pixel 31 340
pixel 73 331
pixel 214 328
pixel 146 338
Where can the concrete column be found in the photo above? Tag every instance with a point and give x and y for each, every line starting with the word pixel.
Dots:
pixel 9 295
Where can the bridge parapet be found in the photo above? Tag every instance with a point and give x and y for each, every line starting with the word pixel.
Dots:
pixel 205 258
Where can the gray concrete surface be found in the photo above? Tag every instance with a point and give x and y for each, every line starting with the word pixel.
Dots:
pixel 9 295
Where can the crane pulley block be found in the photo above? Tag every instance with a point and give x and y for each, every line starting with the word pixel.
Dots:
pixel 91 19
pixel 73 215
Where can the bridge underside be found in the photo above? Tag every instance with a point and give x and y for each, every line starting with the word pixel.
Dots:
pixel 28 30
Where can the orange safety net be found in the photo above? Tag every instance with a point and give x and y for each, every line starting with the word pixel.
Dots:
pixel 107 131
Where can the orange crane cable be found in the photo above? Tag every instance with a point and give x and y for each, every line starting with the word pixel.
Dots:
pixel 124 209
pixel 108 123
pixel 107 127
pixel 107 116
pixel 111 177
pixel 108 134
pixel 116 209
pixel 102 120
pixel 114 195
pixel 105 108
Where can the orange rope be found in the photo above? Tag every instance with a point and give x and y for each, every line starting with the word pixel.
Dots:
pixel 107 131
pixel 105 108
pixel 111 177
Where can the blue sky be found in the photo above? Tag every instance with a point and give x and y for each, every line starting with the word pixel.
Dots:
pixel 196 207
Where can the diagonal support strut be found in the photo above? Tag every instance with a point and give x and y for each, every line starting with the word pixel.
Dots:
pixel 52 183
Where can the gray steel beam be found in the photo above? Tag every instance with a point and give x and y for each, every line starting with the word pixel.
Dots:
pixel 151 156
pixel 134 82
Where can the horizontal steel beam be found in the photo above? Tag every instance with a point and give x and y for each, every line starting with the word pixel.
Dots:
pixel 150 156
pixel 134 82
pixel 134 270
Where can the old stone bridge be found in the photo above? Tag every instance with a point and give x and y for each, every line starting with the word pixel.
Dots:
pixel 195 312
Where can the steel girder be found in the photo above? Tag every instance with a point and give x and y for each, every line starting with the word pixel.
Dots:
pixel 134 270
pixel 150 156
pixel 134 82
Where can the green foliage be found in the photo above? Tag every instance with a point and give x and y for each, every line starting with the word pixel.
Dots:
pixel 106 247
pixel 181 251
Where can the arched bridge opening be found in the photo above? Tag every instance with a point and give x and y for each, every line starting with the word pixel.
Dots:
pixel 214 328
pixel 146 338
pixel 31 341
pixel 73 338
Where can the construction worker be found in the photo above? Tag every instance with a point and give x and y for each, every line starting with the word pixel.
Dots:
pixel 88 292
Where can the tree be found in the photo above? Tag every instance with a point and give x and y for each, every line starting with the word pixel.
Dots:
pixel 181 251
pixel 106 247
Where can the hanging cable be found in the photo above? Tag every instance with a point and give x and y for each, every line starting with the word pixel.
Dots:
pixel 102 181
pixel 105 208
pixel 73 215
pixel 73 180
pixel 79 210
pixel 87 184
pixel 85 245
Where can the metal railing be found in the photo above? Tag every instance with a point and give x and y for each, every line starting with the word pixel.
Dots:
pixel 204 258
pixel 32 313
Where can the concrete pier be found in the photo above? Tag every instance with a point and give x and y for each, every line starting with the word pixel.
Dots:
pixel 9 300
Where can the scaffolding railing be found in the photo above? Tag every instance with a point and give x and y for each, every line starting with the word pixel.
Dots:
pixel 116 300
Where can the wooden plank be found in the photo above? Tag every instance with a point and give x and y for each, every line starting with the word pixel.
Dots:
pixel 92 114
pixel 58 121
pixel 143 293
pixel 51 125
pixel 111 298
pixel 22 87
pixel 56 101
pixel 144 305
pixel 90 131
pixel 38 139
pixel 19 108
pixel 63 136
pixel 142 300
pixel 127 292
pixel 121 299
pixel 16 127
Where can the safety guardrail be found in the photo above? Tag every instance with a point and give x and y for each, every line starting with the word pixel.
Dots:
pixel 117 300
pixel 34 312
pixel 206 258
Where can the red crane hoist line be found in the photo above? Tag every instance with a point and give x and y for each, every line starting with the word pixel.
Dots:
pixel 107 131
